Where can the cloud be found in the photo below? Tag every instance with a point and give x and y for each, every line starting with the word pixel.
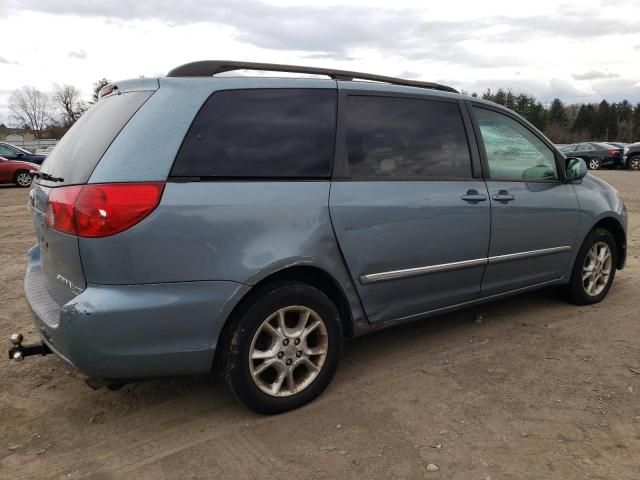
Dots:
pixel 409 75
pixel 4 61
pixel 611 89
pixel 573 25
pixel 79 54
pixel 322 33
pixel 545 91
pixel 617 89
pixel 594 75
pixel 330 56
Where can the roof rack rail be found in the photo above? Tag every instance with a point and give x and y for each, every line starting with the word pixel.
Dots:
pixel 207 68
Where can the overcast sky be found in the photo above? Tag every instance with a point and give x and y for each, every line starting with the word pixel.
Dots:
pixel 577 50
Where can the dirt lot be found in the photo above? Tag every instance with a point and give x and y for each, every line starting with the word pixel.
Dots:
pixel 537 389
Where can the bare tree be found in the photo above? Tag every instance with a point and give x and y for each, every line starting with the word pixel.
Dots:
pixel 30 107
pixel 67 101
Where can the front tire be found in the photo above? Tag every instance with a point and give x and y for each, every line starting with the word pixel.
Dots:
pixel 634 163
pixel 282 349
pixel 23 179
pixel 594 268
pixel 594 164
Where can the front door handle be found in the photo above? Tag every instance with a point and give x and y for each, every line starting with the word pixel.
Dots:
pixel 503 196
pixel 473 196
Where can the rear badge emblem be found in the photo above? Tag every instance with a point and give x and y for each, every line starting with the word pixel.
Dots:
pixel 69 284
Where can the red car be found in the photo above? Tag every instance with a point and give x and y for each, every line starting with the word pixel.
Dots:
pixel 16 171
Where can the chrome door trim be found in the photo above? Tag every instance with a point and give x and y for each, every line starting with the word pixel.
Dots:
pixel 446 267
pixel 529 254
pixel 412 272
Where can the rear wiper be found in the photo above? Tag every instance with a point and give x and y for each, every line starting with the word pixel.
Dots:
pixel 46 176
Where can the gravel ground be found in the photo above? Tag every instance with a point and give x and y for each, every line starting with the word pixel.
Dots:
pixel 537 389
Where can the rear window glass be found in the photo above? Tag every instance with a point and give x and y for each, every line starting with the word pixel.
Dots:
pixel 406 138
pixel 286 133
pixel 75 157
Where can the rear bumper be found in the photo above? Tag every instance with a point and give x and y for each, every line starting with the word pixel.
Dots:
pixel 133 331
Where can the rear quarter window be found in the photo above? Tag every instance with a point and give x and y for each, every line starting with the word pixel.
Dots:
pixel 262 133
pixel 75 157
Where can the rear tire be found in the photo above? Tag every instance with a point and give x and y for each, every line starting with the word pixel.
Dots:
pixel 594 164
pixel 634 163
pixel 22 178
pixel 295 330
pixel 594 268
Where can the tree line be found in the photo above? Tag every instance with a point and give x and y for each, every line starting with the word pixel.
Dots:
pixel 604 121
pixel 620 121
pixel 53 112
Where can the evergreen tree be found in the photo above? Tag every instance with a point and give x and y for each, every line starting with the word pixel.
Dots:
pixel 635 124
pixel 557 113
pixel 584 120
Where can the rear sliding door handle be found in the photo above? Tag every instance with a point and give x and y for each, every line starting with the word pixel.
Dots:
pixel 472 196
pixel 503 196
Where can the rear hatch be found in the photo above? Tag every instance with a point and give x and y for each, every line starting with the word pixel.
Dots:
pixel 70 164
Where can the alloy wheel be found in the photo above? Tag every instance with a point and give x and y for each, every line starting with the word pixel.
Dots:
pixel 288 351
pixel 634 164
pixel 594 164
pixel 596 269
pixel 23 179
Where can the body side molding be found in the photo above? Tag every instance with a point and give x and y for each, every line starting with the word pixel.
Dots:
pixel 445 267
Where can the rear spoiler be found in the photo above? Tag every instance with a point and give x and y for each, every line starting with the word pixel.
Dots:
pixel 133 85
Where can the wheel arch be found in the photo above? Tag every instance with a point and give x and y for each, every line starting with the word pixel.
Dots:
pixel 612 225
pixel 318 278
pixel 310 275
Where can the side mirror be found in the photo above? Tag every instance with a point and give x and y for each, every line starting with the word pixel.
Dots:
pixel 576 169
pixel 20 155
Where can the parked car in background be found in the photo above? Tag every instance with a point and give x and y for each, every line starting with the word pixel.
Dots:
pixel 276 216
pixel 631 156
pixel 596 155
pixel 11 152
pixel 16 171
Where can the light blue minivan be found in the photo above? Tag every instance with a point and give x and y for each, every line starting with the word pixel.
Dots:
pixel 199 222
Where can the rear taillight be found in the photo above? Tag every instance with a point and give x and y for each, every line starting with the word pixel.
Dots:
pixel 60 208
pixel 614 153
pixel 101 210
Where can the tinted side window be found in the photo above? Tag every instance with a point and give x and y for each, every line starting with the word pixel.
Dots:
pixel 513 152
pixel 585 147
pixel 405 138
pixel 261 133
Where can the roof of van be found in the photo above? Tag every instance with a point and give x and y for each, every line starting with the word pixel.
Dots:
pixel 207 72
pixel 208 68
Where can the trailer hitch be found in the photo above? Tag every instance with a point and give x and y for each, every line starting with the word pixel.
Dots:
pixel 19 351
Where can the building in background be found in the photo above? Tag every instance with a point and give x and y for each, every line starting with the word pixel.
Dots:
pixel 26 138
